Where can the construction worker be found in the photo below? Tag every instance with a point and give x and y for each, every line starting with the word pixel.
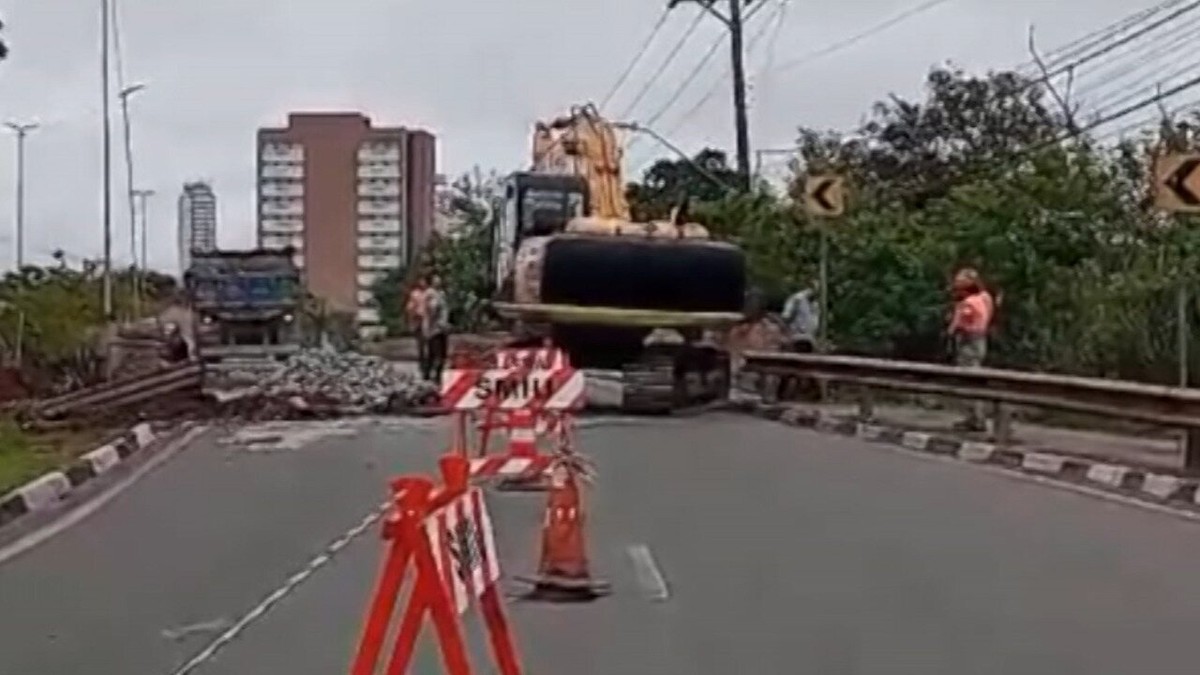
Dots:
pixel 436 328
pixel 414 312
pixel 803 318
pixel 970 322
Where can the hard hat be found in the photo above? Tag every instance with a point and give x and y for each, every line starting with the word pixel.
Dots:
pixel 966 277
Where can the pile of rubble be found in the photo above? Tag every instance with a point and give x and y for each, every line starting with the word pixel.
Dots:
pixel 347 382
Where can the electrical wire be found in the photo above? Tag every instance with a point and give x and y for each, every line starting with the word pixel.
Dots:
pixel 658 25
pixel 667 62
pixel 868 33
pixel 1084 43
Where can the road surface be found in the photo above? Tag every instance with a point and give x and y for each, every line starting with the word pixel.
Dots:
pixel 779 551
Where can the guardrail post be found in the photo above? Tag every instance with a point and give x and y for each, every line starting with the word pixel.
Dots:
pixel 866 404
pixel 1191 449
pixel 1001 423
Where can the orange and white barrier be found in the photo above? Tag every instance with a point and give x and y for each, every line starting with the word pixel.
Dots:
pixel 529 393
pixel 444 535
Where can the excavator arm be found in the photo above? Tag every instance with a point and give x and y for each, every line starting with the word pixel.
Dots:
pixel 585 144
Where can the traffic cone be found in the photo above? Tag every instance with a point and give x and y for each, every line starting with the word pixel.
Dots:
pixel 522 444
pixel 563 571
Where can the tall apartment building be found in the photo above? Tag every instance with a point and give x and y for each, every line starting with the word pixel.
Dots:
pixel 354 200
pixel 197 221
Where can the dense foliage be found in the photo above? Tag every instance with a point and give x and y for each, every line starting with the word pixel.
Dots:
pixel 51 317
pixel 980 172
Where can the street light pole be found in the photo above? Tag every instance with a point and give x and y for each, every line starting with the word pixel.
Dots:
pixel 106 153
pixel 124 95
pixel 141 196
pixel 21 130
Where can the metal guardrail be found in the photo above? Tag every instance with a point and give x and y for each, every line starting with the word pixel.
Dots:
pixel 122 392
pixel 1167 406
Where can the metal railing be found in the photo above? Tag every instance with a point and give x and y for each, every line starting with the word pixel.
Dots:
pixel 122 392
pixel 1166 406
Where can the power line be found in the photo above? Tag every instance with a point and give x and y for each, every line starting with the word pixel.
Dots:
pixel 1114 45
pixel 662 21
pixel 1101 35
pixel 716 85
pixel 667 62
pixel 870 32
pixel 1107 77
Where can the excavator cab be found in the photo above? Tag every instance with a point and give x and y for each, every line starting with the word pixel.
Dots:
pixel 535 205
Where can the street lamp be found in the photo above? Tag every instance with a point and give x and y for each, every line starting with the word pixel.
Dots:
pixel 124 95
pixel 21 130
pixel 106 152
pixel 141 196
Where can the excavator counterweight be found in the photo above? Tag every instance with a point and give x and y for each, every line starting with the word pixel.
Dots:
pixel 569 264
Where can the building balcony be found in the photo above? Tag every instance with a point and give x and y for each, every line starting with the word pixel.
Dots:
pixel 366 298
pixel 368 279
pixel 380 244
pixel 281 189
pixel 379 171
pixel 379 152
pixel 378 262
pixel 379 226
pixel 282 152
pixel 290 208
pixel 379 188
pixel 368 315
pixel 280 241
pixel 379 208
pixel 281 171
pixel 281 225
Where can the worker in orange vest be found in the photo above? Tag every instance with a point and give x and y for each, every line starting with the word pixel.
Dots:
pixel 970 323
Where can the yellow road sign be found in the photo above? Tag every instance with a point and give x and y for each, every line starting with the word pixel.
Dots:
pixel 1177 183
pixel 825 195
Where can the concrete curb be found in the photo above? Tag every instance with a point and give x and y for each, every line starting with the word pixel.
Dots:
pixel 47 490
pixel 1127 480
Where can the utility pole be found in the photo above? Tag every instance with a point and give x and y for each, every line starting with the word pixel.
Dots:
pixel 106 153
pixel 21 130
pixel 734 22
pixel 124 95
pixel 141 196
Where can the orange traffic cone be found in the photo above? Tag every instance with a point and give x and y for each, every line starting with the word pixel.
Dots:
pixel 522 443
pixel 563 571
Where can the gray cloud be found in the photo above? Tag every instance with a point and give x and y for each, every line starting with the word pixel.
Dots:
pixel 476 73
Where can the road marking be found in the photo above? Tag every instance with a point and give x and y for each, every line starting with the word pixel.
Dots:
pixel 1048 481
pixel 649 577
pixel 87 508
pixel 289 585
pixel 177 634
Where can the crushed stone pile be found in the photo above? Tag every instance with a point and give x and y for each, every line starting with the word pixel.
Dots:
pixel 328 378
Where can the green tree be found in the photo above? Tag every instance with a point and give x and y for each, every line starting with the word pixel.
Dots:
pixel 389 293
pixel 669 181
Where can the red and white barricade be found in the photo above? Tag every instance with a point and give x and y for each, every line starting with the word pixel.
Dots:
pixel 445 536
pixel 529 393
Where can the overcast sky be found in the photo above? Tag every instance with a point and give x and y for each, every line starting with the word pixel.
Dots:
pixel 477 73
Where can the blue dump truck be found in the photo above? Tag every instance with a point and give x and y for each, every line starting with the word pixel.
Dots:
pixel 244 304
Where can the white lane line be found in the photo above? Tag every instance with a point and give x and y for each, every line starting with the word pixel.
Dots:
pixel 291 584
pixel 177 634
pixel 649 577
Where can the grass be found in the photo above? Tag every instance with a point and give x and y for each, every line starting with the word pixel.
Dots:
pixel 27 455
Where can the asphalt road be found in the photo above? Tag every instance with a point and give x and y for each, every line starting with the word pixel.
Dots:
pixel 783 551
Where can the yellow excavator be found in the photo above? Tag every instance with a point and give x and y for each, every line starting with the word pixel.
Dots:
pixel 634 300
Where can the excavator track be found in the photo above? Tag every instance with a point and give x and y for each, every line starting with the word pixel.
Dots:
pixel 664 379
pixel 674 379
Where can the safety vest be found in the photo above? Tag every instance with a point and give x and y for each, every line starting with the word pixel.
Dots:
pixel 973 314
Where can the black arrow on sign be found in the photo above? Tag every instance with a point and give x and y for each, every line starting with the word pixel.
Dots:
pixel 821 198
pixel 1177 181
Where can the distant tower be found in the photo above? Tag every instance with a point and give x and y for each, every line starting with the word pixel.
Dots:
pixel 197 221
